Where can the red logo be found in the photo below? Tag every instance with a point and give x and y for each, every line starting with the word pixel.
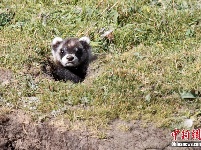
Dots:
pixel 195 134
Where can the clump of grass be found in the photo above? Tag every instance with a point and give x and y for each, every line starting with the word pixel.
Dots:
pixel 5 17
pixel 153 55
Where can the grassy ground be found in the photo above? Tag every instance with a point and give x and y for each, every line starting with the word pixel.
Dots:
pixel 152 59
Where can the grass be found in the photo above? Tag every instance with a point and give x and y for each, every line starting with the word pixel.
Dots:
pixel 154 55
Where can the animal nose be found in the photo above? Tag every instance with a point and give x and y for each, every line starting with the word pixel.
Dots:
pixel 70 58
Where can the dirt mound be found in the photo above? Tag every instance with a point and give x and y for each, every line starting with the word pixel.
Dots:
pixel 18 132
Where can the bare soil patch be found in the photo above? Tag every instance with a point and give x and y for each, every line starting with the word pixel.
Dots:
pixel 5 76
pixel 19 132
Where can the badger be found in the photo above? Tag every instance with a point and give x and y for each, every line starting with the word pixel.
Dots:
pixel 71 58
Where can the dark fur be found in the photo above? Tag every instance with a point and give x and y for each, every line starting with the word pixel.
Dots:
pixel 77 73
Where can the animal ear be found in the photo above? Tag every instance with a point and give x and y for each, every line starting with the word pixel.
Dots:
pixel 84 39
pixel 56 42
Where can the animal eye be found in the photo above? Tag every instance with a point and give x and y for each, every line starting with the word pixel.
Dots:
pixel 62 51
pixel 79 50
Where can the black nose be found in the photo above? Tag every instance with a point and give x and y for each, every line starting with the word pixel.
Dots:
pixel 70 58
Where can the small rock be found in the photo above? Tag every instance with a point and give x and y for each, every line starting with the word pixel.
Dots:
pixel 188 123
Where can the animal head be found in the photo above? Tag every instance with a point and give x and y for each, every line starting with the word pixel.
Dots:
pixel 70 52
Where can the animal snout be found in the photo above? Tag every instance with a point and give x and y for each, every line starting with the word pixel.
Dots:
pixel 70 58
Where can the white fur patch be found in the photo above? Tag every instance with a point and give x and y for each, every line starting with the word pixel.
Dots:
pixel 56 40
pixel 71 43
pixel 64 61
pixel 85 39
pixel 56 54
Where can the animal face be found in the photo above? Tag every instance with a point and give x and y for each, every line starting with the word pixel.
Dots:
pixel 70 52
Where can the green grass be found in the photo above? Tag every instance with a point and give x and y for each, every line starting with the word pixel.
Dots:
pixel 153 57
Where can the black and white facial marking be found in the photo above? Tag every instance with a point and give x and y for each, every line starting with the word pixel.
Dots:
pixel 70 52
